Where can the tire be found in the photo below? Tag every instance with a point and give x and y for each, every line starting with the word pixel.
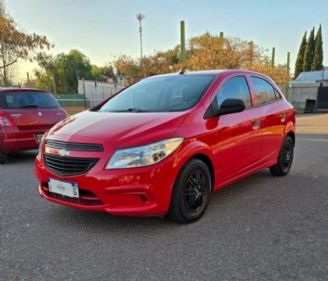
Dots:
pixel 3 157
pixel 285 158
pixel 191 192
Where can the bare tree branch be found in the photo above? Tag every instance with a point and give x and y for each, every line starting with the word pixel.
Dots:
pixel 8 64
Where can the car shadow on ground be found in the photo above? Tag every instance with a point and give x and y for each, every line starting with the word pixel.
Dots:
pixel 21 157
pixel 98 221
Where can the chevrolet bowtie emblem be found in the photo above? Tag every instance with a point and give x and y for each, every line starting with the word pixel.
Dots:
pixel 63 152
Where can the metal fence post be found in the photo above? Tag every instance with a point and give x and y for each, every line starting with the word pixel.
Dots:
pixel 85 98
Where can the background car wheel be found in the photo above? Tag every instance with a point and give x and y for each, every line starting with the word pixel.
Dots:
pixel 3 157
pixel 285 158
pixel 191 192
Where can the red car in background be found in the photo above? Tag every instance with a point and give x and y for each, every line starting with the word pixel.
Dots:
pixel 25 115
pixel 162 145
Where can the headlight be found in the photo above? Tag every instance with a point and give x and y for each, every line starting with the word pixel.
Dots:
pixel 143 155
pixel 39 155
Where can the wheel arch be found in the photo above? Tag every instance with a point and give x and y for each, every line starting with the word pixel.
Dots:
pixel 209 164
pixel 195 150
pixel 207 160
pixel 292 135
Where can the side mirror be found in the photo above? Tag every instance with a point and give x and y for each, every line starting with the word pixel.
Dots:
pixel 228 106
pixel 231 106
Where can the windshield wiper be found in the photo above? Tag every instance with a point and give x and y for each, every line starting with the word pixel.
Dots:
pixel 132 109
pixel 29 106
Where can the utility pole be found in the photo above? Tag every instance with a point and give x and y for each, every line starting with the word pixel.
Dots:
pixel 182 41
pixel 28 78
pixel 251 52
pixel 288 75
pixel 273 57
pixel 140 17
pixel 288 64
pixel 221 40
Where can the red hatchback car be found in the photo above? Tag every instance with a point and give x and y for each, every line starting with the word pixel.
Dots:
pixel 162 145
pixel 25 115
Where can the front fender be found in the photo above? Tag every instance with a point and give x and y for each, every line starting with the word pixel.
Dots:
pixel 189 149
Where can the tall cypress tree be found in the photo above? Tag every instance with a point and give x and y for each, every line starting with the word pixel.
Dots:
pixel 309 52
pixel 300 57
pixel 318 52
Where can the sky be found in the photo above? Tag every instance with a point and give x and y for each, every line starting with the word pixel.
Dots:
pixel 105 29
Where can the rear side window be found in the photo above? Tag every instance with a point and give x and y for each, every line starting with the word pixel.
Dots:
pixel 264 91
pixel 235 88
pixel 25 99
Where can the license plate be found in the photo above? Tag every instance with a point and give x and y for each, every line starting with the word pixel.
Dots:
pixel 38 137
pixel 64 188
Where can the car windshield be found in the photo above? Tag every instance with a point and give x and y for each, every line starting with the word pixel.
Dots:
pixel 160 94
pixel 27 99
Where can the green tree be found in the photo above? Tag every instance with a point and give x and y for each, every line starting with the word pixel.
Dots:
pixel 300 57
pixel 108 71
pixel 309 52
pixel 46 77
pixel 318 52
pixel 60 74
pixel 97 72
pixel 69 68
pixel 102 73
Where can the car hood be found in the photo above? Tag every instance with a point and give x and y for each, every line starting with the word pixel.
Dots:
pixel 118 129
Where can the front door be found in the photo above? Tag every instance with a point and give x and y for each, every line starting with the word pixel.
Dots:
pixel 238 138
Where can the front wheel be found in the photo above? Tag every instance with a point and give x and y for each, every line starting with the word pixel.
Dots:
pixel 191 192
pixel 285 158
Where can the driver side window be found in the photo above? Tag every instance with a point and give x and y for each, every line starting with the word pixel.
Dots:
pixel 235 88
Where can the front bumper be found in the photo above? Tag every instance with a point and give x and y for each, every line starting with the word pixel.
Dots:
pixel 144 191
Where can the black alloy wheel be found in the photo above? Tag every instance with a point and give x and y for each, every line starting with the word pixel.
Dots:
pixel 285 158
pixel 191 192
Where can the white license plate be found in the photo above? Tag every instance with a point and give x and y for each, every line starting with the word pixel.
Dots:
pixel 38 137
pixel 64 188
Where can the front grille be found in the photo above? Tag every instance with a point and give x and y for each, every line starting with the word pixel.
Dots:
pixel 74 145
pixel 68 165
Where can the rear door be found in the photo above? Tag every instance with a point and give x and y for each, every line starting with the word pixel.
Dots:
pixel 273 117
pixel 31 110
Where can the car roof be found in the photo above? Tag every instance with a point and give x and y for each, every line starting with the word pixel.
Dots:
pixel 17 89
pixel 217 72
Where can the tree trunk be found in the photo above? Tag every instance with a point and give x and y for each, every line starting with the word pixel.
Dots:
pixel 4 72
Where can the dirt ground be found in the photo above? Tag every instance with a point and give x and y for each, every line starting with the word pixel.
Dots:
pixel 71 110
pixel 312 123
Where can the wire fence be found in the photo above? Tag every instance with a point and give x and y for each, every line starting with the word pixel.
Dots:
pixel 76 105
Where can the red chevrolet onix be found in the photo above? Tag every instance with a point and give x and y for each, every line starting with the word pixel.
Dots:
pixel 25 115
pixel 162 145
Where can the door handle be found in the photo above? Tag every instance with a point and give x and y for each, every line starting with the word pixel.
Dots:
pixel 256 124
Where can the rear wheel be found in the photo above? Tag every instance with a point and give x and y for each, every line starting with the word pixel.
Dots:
pixel 191 192
pixel 285 158
pixel 3 157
